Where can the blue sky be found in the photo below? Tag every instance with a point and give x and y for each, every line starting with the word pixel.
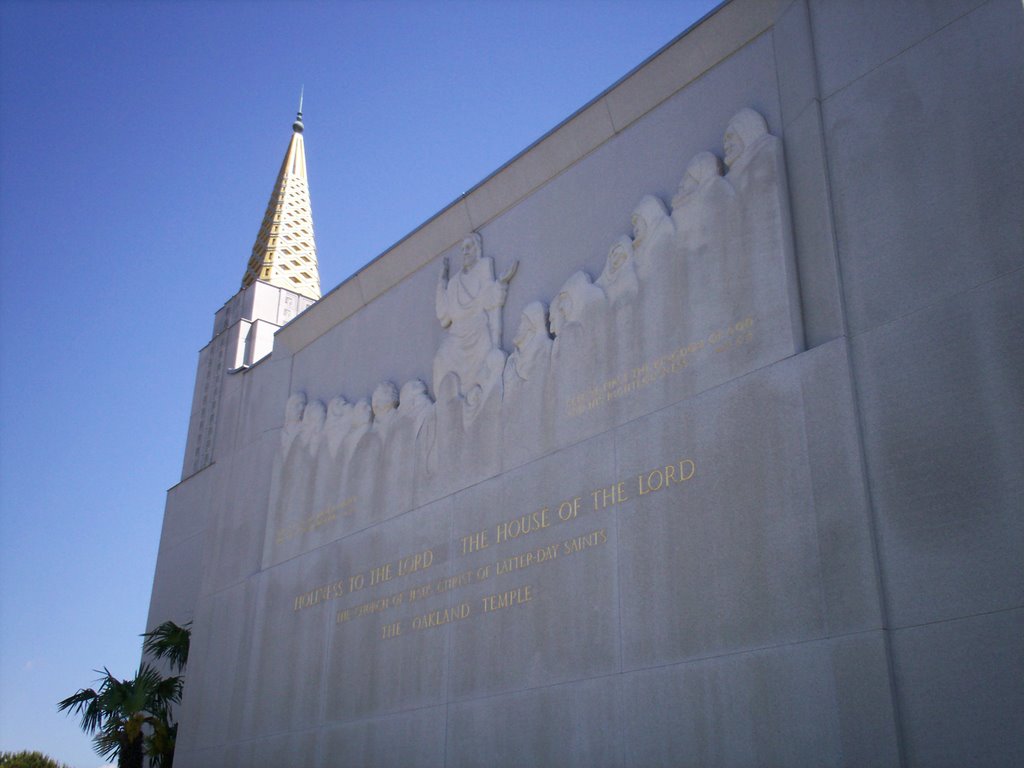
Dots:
pixel 138 146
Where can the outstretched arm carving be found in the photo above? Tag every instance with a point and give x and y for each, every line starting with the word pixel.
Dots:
pixel 441 296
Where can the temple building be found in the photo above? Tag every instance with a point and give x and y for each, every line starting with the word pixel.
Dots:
pixel 692 435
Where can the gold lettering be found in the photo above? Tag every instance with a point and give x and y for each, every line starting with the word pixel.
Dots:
pixel 322 594
pixel 474 542
pixel 586 541
pixel 659 367
pixel 610 496
pixel 374 606
pixel 454 582
pixel 508 599
pixel 323 517
pixel 658 477
pixel 380 574
pixel 440 618
pixel 417 562
pixel 418 593
pixel 520 526
pixel 664 477
pixel 389 631
pixel 687 469
pixel 648 481
pixel 569 509
pixel 526 559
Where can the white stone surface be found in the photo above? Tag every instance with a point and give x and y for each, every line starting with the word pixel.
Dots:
pixel 723 470
pixel 926 162
pixel 960 690
pixel 942 403
pixel 802 704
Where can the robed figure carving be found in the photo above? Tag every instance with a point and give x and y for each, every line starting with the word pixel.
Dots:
pixel 469 307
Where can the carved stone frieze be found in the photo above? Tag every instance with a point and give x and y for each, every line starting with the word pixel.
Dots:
pixel 697 293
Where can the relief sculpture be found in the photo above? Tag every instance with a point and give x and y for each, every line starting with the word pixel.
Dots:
pixel 469 307
pixel 716 264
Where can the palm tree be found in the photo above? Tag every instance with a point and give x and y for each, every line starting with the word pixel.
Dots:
pixel 169 641
pixel 119 710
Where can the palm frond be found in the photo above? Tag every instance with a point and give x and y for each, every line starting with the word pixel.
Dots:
pixel 169 641
pixel 85 703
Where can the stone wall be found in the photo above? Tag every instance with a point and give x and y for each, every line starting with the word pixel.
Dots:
pixel 691 436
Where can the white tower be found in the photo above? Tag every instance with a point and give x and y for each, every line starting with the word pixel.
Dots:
pixel 281 280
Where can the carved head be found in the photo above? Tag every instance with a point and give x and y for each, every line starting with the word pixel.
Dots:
pixel 385 399
pixel 361 414
pixel 570 302
pixel 531 322
pixel 472 248
pixel 561 311
pixel 314 416
pixel 413 397
pixel 338 409
pixel 746 127
pixel 620 251
pixel 294 407
pixel 646 215
pixel 702 167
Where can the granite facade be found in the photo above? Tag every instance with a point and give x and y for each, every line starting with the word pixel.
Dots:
pixel 746 491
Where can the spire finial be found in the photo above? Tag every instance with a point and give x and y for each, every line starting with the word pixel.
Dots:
pixel 297 125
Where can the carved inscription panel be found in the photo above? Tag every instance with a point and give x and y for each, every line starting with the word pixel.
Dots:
pixel 699 292
pixel 530 566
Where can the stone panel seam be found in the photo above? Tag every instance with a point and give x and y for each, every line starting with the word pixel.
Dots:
pixel 519 691
pixel 815 70
pixel 817 528
pixel 962 617
pixel 379 715
pixel 899 53
pixel 795 261
pixel 324 674
pixel 937 301
pixel 825 639
pixel 450 645
pixel 873 531
pixel 783 10
pixel 830 206
pixel 796 118
pixel 815 103
pixel 258 739
pixel 618 545
pixel 611 119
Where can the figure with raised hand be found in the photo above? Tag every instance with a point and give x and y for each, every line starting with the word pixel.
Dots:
pixel 468 305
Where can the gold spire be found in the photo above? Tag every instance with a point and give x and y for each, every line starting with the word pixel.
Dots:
pixel 285 251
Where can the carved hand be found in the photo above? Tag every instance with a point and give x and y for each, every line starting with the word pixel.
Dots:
pixel 507 277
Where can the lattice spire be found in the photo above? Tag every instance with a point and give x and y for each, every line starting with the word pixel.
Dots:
pixel 285 251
